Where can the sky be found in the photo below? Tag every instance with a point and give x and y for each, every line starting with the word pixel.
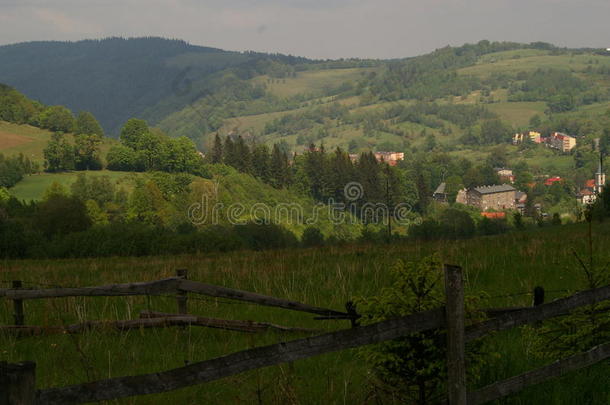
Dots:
pixel 313 28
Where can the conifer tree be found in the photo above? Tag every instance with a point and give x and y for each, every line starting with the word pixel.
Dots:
pixel 217 150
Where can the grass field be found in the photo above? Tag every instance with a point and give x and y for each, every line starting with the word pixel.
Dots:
pixel 312 83
pixel 32 187
pixel 524 62
pixel 518 113
pixel 31 141
pixel 327 277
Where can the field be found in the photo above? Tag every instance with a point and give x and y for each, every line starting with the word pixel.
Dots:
pixel 526 60
pixel 505 267
pixel 311 82
pixel 31 141
pixel 518 113
pixel 32 187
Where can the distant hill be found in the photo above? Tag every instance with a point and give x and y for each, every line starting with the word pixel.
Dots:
pixel 115 78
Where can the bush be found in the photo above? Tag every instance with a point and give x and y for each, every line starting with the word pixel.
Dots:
pixel 312 237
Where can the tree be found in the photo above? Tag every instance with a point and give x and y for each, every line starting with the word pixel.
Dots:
pixel 217 152
pixel 57 118
pixel 279 169
pixel 59 214
pixel 413 367
pixel 261 161
pixel 494 131
pixel 133 131
pixel 86 124
pixel 312 237
pixel 59 154
pixel 457 224
pixel 123 158
pixel 87 148
pixel 497 157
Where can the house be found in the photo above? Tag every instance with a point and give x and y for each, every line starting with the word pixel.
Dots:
pixel 552 180
pixel 593 187
pixel 586 196
pixel 496 197
pixel 533 136
pixel 440 194
pixel 493 215
pixel 391 158
pixel 506 175
pixel 561 141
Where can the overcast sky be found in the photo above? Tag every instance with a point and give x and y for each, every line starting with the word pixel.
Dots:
pixel 313 28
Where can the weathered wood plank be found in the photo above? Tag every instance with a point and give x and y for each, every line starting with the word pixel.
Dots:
pixel 225 323
pixel 539 313
pixel 149 320
pixel 455 319
pixel 17 383
pixel 240 295
pixel 515 384
pixel 236 363
pixel 165 286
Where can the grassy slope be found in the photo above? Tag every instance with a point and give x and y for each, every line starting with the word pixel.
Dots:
pixel 31 141
pixel 327 277
pixel 33 187
pixel 311 82
pixel 518 114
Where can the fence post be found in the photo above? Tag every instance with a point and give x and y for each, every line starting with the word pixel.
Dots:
pixel 182 296
pixel 17 383
pixel 454 310
pixel 18 306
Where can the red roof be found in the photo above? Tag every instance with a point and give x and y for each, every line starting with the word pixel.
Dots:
pixel 590 183
pixel 494 215
pixel 550 181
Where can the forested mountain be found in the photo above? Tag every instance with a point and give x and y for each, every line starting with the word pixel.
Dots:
pixel 118 78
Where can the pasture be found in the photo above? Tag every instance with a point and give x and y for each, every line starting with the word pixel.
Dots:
pixel 505 267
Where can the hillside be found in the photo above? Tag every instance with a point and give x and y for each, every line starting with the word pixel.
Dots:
pixel 31 141
pixel 114 78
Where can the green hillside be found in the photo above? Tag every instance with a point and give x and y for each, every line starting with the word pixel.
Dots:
pixel 31 141
pixel 117 78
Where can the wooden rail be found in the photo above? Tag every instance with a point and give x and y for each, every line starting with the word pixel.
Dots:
pixel 150 320
pixel 147 288
pixel 236 363
pixel 174 285
pixel 517 383
pixel 545 311
pixel 451 317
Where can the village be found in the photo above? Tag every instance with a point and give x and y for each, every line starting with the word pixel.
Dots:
pixel 495 200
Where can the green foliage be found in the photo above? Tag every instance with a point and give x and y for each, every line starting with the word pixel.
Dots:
pixel 15 107
pixel 61 215
pixel 57 118
pixel 86 124
pixel 413 367
pixel 59 154
pixel 12 169
pixel 581 330
pixel 312 237
pixel 133 132
pixel 87 152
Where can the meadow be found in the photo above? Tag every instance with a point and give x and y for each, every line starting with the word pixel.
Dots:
pixel 33 187
pixel 505 267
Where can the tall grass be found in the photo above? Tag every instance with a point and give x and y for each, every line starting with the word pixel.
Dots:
pixel 506 267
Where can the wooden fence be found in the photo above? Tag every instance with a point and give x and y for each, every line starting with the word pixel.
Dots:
pixel 17 381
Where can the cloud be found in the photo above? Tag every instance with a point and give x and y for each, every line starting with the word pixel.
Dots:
pixel 314 28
